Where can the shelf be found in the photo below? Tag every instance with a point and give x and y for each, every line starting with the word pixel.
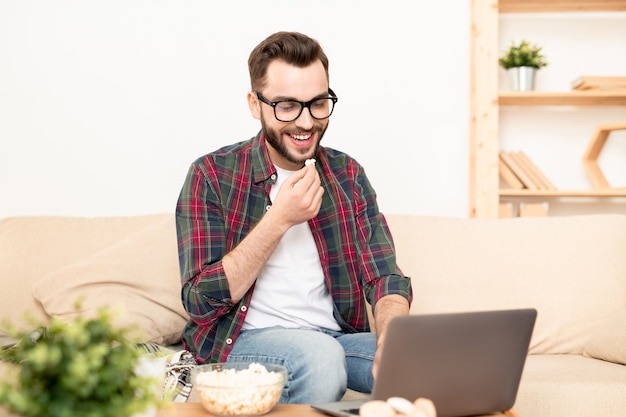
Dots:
pixel 565 98
pixel 608 192
pixel 535 6
pixel 486 101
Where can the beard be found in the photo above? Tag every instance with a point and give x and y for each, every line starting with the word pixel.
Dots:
pixel 275 139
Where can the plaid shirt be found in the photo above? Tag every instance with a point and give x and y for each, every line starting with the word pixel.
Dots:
pixel 227 192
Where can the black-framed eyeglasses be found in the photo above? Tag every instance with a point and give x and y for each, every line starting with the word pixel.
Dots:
pixel 289 110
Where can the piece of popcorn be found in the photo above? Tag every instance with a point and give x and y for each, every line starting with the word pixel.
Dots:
pixel 401 405
pixel 309 162
pixel 376 408
pixel 398 407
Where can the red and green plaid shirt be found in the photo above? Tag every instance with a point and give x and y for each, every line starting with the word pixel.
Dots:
pixel 227 192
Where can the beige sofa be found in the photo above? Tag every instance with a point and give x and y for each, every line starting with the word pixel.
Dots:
pixel 571 269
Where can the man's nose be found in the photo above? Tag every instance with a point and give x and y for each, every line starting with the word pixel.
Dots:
pixel 305 120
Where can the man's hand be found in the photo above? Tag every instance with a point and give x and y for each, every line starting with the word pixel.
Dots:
pixel 299 197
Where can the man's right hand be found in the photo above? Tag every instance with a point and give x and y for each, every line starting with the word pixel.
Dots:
pixel 299 197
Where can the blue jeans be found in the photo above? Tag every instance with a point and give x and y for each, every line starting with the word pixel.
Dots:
pixel 320 364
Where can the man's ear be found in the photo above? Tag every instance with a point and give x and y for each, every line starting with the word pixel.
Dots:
pixel 255 105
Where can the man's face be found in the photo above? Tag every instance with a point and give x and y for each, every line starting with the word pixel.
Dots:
pixel 291 143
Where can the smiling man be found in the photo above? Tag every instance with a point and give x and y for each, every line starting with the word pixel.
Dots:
pixel 279 254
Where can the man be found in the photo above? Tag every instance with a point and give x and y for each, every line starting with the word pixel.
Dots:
pixel 277 255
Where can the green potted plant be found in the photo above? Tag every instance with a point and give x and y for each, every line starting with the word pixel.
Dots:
pixel 85 368
pixel 521 61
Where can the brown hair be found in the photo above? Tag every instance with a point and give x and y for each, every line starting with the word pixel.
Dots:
pixel 292 47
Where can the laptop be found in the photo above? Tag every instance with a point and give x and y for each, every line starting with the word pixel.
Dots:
pixel 467 363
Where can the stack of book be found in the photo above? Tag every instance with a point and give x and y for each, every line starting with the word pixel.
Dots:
pixel 599 82
pixel 519 172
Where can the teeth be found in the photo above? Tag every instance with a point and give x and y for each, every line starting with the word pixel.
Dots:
pixel 300 137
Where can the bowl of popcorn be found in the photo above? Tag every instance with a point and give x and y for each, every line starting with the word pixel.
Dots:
pixel 238 388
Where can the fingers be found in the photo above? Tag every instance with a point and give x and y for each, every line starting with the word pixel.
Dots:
pixel 306 176
pixel 300 196
pixel 313 191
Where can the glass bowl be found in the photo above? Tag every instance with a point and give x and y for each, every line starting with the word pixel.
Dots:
pixel 238 388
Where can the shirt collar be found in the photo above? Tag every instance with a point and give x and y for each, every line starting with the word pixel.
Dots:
pixel 262 166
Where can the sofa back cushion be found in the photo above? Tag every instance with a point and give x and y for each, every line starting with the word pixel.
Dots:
pixel 129 264
pixel 572 269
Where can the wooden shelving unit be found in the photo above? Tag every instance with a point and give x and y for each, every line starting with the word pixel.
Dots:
pixel 486 100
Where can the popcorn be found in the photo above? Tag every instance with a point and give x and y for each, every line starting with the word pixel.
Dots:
pixel 398 407
pixel 401 405
pixel 232 392
pixel 376 408
pixel 309 162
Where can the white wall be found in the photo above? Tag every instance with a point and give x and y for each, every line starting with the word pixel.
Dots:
pixel 104 104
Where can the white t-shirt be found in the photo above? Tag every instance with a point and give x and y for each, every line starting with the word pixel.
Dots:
pixel 290 290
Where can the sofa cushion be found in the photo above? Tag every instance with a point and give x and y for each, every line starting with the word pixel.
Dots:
pixel 571 385
pixel 33 246
pixel 138 276
pixel 572 269
pixel 608 339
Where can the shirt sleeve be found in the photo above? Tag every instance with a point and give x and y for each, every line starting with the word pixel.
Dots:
pixel 201 246
pixel 380 273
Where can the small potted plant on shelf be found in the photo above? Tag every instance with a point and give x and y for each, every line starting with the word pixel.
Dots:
pixel 84 368
pixel 521 61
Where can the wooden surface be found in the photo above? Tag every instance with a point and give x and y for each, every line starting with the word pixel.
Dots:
pixel 484 176
pixel 607 192
pixel 590 158
pixel 562 98
pixel 280 410
pixel 532 6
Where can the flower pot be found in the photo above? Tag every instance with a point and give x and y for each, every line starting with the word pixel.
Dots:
pixel 522 78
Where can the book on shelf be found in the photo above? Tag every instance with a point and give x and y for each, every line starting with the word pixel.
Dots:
pixel 519 171
pixel 599 82
pixel 508 176
pixel 517 165
pixel 543 182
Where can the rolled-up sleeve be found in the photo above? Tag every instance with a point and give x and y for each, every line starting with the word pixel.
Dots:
pixel 201 247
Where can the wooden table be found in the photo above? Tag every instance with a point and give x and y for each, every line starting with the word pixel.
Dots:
pixel 280 410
